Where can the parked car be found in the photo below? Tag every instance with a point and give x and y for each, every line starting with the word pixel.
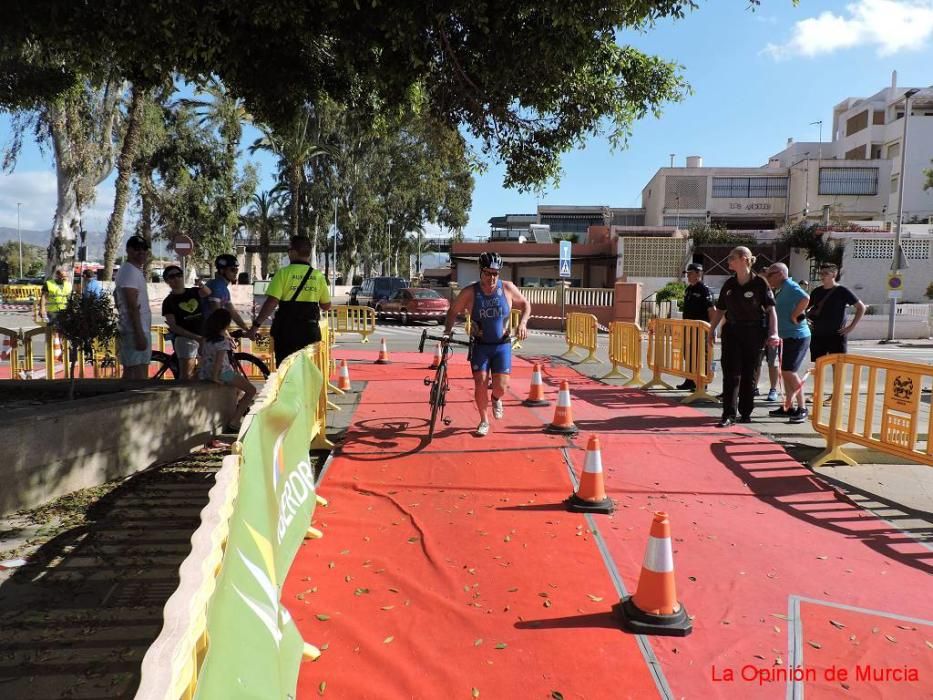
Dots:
pixel 376 289
pixel 414 304
pixel 351 296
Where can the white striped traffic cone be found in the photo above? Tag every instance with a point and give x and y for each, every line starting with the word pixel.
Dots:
pixel 6 350
pixel 562 424
pixel 536 393
pixel 383 358
pixel 591 493
pixel 654 608
pixel 343 379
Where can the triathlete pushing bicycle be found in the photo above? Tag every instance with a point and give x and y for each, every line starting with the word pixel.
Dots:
pixel 489 303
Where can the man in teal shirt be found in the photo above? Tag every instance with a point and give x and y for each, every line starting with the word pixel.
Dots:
pixel 790 304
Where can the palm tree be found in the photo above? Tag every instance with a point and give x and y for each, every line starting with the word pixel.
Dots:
pixel 296 145
pixel 263 218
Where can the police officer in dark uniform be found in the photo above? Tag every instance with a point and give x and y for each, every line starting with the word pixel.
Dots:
pixel 300 293
pixel 698 305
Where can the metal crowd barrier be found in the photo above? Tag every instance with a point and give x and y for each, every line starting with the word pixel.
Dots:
pixel 876 403
pixel 680 348
pixel 581 333
pixel 20 292
pixel 352 319
pixel 173 663
pixel 625 351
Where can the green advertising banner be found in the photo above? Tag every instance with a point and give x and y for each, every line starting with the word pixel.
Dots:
pixel 254 648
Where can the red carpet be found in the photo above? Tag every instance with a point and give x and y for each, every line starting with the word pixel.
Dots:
pixel 428 550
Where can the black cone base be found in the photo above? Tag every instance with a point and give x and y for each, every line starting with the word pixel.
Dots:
pixel 559 430
pixel 639 622
pixel 383 362
pixel 538 402
pixel 575 504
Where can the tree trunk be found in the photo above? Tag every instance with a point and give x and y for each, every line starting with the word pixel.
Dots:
pixel 294 190
pixel 264 252
pixel 67 221
pixel 124 172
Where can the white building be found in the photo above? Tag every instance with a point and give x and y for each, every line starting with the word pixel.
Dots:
pixel 854 176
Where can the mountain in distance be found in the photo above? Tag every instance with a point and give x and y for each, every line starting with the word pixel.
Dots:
pixel 41 238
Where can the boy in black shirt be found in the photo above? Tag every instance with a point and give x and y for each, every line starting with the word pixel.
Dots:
pixel 183 313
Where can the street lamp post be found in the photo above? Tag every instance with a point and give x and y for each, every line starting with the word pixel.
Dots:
pixel 333 280
pixel 895 262
pixel 19 233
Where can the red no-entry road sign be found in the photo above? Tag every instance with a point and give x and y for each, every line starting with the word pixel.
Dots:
pixel 183 245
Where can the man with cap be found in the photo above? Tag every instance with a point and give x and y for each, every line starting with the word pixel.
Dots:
pixel 132 300
pixel 698 306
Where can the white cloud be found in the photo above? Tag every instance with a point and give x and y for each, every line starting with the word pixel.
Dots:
pixel 888 26
pixel 36 190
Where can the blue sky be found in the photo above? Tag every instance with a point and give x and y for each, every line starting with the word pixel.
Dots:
pixel 758 78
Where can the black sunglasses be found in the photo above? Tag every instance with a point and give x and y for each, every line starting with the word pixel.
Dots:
pixel 173 275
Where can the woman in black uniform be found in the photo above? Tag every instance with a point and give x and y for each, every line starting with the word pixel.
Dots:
pixel 747 303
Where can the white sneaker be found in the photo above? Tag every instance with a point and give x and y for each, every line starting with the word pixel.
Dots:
pixel 482 429
pixel 498 410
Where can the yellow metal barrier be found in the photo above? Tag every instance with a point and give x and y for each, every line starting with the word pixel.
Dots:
pixel 20 292
pixel 12 341
pixel 876 403
pixel 625 351
pixel 352 319
pixel 679 347
pixel 581 333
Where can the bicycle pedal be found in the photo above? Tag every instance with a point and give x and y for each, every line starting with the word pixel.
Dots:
pixel 427 381
pixel 448 421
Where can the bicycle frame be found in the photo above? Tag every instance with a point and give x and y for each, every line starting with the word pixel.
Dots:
pixel 437 398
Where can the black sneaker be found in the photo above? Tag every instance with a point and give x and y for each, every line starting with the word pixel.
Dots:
pixel 757 392
pixel 686 386
pixel 780 412
pixel 799 416
pixel 725 422
pixel 744 419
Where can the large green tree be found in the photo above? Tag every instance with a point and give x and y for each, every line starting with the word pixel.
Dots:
pixel 529 79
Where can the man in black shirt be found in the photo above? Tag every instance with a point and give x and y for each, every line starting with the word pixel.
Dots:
pixel 698 306
pixel 182 310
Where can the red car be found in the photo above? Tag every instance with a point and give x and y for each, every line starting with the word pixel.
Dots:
pixel 413 304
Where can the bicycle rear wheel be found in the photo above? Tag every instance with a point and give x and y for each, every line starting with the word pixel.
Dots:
pixel 438 395
pixel 162 366
pixel 250 366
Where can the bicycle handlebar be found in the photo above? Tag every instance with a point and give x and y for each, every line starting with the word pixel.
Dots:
pixel 449 340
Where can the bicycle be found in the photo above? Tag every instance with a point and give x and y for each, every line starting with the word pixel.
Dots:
pixel 440 385
pixel 244 363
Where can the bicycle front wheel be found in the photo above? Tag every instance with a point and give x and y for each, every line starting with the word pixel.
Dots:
pixel 250 366
pixel 438 395
pixel 162 366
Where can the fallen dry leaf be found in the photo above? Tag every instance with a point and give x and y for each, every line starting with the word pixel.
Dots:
pixel 838 625
pixel 815 645
pixel 388 640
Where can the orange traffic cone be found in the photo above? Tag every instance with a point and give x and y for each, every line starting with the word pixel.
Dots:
pixel 6 352
pixel 56 347
pixel 436 362
pixel 536 393
pixel 343 378
pixel 591 493
pixel 563 418
pixel 654 608
pixel 383 358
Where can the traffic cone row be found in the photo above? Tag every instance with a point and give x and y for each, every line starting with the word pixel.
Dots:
pixel 591 493
pixel 536 392
pixel 343 377
pixel 654 608
pixel 383 358
pixel 436 362
pixel 562 424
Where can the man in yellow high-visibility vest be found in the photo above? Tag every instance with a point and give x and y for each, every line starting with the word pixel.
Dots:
pixel 54 297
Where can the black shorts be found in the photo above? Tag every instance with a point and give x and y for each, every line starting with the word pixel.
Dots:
pixel 827 345
pixel 793 353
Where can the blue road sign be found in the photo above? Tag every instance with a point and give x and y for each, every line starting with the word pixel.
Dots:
pixel 564 266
